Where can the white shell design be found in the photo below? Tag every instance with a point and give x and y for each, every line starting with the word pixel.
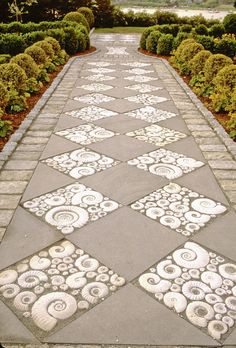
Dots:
pixel 146 99
pixel 208 206
pixel 9 290
pixel 39 263
pixel 100 70
pixel 150 114
pixel 192 256
pixel 199 313
pixel 24 299
pixel 91 113
pixel 228 270
pixel 195 290
pixel 118 50
pixel 76 280
pixel 167 270
pixel 86 264
pixel 175 300
pixel 30 279
pixel 117 281
pixel 65 249
pixel 140 78
pixel 94 98
pixel 94 291
pixel 212 278
pixel 139 71
pixel 153 283
pixel 143 88
pixel 217 328
pixel 99 77
pixel 7 277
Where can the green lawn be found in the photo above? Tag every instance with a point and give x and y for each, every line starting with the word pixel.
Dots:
pixel 121 30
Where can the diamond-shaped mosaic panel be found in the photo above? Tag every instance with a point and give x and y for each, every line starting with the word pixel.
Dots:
pixel 168 164
pixel 136 64
pixel 56 285
pixel 117 50
pixel 94 98
pixel 197 284
pixel 143 88
pixel 96 87
pixel 146 99
pixel 141 78
pixel 80 163
pixel 91 113
pixel 150 114
pixel 99 77
pixel 86 134
pixel 100 64
pixel 156 135
pixel 71 207
pixel 100 70
pixel 139 71
pixel 179 208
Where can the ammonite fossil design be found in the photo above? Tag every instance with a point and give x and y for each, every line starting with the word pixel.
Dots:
pixel 146 99
pixel 141 78
pixel 100 70
pixel 94 98
pixel 150 114
pixel 117 51
pixel 96 87
pixel 99 77
pixel 136 64
pixel 197 284
pixel 139 71
pixel 100 64
pixel 143 88
pixel 91 113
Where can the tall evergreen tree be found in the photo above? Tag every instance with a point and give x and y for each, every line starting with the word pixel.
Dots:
pixel 103 14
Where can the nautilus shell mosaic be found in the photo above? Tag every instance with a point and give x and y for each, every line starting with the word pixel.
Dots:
pixel 86 134
pixel 100 70
pixel 136 64
pixel 168 164
pixel 94 98
pixel 143 88
pixel 183 210
pixel 100 64
pixel 56 285
pixel 139 71
pixel 140 78
pixel 117 51
pixel 96 87
pixel 71 207
pixel 150 114
pixel 156 135
pixel 146 99
pixel 198 285
pixel 80 163
pixel 91 113
pixel 99 77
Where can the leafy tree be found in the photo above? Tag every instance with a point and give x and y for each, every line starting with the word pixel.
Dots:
pixel 18 8
pixel 103 11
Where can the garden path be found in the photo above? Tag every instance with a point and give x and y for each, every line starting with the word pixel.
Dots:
pixel 118 212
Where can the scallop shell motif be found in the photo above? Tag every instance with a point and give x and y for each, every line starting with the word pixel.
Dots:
pixel 24 299
pixel 228 270
pixel 76 280
pixel 8 276
pixel 39 263
pixel 86 263
pixel 30 279
pixel 195 290
pixel 175 300
pixel 48 308
pixel 217 328
pixel 9 290
pixel 192 256
pixel 199 313
pixel 59 251
pixel 212 278
pixel 94 291
pixel 167 270
pixel 153 283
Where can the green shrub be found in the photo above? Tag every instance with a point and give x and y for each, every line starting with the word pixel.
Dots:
pixel 88 14
pixel 183 44
pixel 229 23
pixel 12 44
pixel 4 96
pixel 185 28
pixel 145 35
pixel 47 47
pixel 5 128
pixel 165 44
pixel 226 45
pixel 4 58
pixel 190 50
pixel 17 102
pixel 13 76
pixel 152 40
pixel 231 125
pixel 201 29
pixel 181 36
pixel 43 76
pixel 206 41
pixel 54 43
pixel 169 29
pixel 35 36
pixel 197 63
pixel 82 45
pixel 217 30
pixel 71 41
pixel 26 62
pixel 37 53
pixel 33 86
pixel 164 17
pixel 59 35
pixel 83 30
pixel 214 64
pixel 14 27
pixel 77 17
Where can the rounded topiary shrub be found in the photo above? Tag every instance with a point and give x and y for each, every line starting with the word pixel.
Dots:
pixel 206 41
pixel 47 47
pixel 35 36
pixel 197 63
pixel 152 40
pixel 88 14
pixel 54 43
pixel 78 18
pixel 214 64
pixel 26 62
pixel 185 28
pixel 190 50
pixel 181 36
pixel 4 96
pixel 226 45
pixel 37 53
pixel 13 76
pixel 82 45
pixel 145 35
pixel 183 44
pixel 201 29
pixel 229 23
pixel 57 34
pixel 12 44
pixel 217 30
pixel 71 41
pixel 165 44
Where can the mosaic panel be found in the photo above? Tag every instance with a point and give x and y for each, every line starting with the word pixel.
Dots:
pixel 179 208
pixel 117 50
pixel 86 134
pixel 96 87
pixel 56 285
pixel 141 78
pixel 168 164
pixel 91 113
pixel 101 70
pixel 71 207
pixel 136 64
pixel 100 64
pixel 150 114
pixel 139 71
pixel 98 77
pixel 197 284
pixel 142 88
pixel 146 99
pixel 80 163
pixel 156 135
pixel 94 98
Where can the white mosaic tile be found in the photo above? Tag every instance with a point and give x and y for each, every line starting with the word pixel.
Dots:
pixel 146 99
pixel 71 207
pixel 136 64
pixel 91 113
pixel 56 285
pixel 143 88
pixel 86 134
pixel 96 87
pixel 156 135
pixel 150 114
pixel 99 77
pixel 197 284
pixel 117 50
pixel 94 98
pixel 100 64
pixel 101 70
pixel 179 208
pixel 141 78
pixel 162 162
pixel 80 163
pixel 139 71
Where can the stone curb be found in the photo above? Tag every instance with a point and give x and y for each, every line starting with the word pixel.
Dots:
pixel 51 345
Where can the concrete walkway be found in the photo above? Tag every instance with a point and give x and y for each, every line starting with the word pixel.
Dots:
pixel 118 212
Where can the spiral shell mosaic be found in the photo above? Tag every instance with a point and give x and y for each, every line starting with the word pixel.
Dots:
pixel 139 71
pixel 168 164
pixel 150 114
pixel 136 64
pixel 146 99
pixel 117 51
pixel 94 98
pixel 156 135
pixel 143 88
pixel 86 134
pixel 100 64
pixel 179 208
pixel 91 113
pixel 54 286
pixel 198 285
pixel 100 70
pixel 96 87
pixel 99 77
pixel 80 163
pixel 140 78
pixel 71 207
